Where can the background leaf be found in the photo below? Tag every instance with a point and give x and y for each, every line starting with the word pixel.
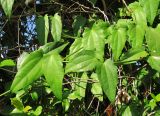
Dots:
pixel 42 28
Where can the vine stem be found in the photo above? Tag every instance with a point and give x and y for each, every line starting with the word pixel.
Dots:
pixel 5 93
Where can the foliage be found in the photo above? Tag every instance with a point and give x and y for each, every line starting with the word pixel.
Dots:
pixel 114 62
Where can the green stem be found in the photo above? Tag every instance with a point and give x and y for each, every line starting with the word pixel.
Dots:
pixel 5 93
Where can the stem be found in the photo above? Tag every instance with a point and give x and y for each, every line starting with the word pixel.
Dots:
pixel 5 93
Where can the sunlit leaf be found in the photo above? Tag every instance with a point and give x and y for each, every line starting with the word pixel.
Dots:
pixel 84 61
pixel 136 35
pixel 118 39
pixel 151 8
pixel 42 28
pixel 93 39
pixel 7 62
pixel 7 6
pixel 107 75
pixel 154 62
pixel 54 73
pixel 29 72
pixel 56 27
pixel 21 59
pixel 133 56
pixel 96 87
pixel 153 41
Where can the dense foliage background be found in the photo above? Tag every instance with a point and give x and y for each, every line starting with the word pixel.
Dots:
pixel 80 57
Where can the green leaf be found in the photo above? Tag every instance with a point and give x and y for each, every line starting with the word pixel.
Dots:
pixel 108 78
pixel 154 62
pixel 133 56
pixel 21 59
pixel 75 48
pixel 153 41
pixel 79 22
pixel 136 35
pixel 96 87
pixel 151 9
pixel 47 47
pixel 28 72
pixel 7 6
pixel 93 39
pixel 80 88
pixel 127 112
pixel 84 61
pixel 7 62
pixel 42 28
pixel 54 73
pixel 117 43
pixel 38 111
pixel 56 27
pixel 17 104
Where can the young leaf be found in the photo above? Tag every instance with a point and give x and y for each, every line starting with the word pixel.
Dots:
pixel 118 39
pixel 56 27
pixel 42 27
pixel 96 87
pixel 108 79
pixel 132 56
pixel 153 41
pixel 127 112
pixel 54 73
pixel 7 62
pixel 28 72
pixel 151 8
pixel 7 6
pixel 154 62
pixel 84 61
pixel 17 104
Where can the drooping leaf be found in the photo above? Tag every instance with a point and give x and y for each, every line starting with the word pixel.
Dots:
pixel 54 73
pixel 154 62
pixel 80 88
pixel 133 56
pixel 153 41
pixel 117 42
pixel 83 61
pixel 7 62
pixel 94 38
pixel 17 104
pixel 28 72
pixel 56 27
pixel 136 35
pixel 42 27
pixel 7 6
pixel 151 8
pixel 79 22
pixel 96 87
pixel 107 75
